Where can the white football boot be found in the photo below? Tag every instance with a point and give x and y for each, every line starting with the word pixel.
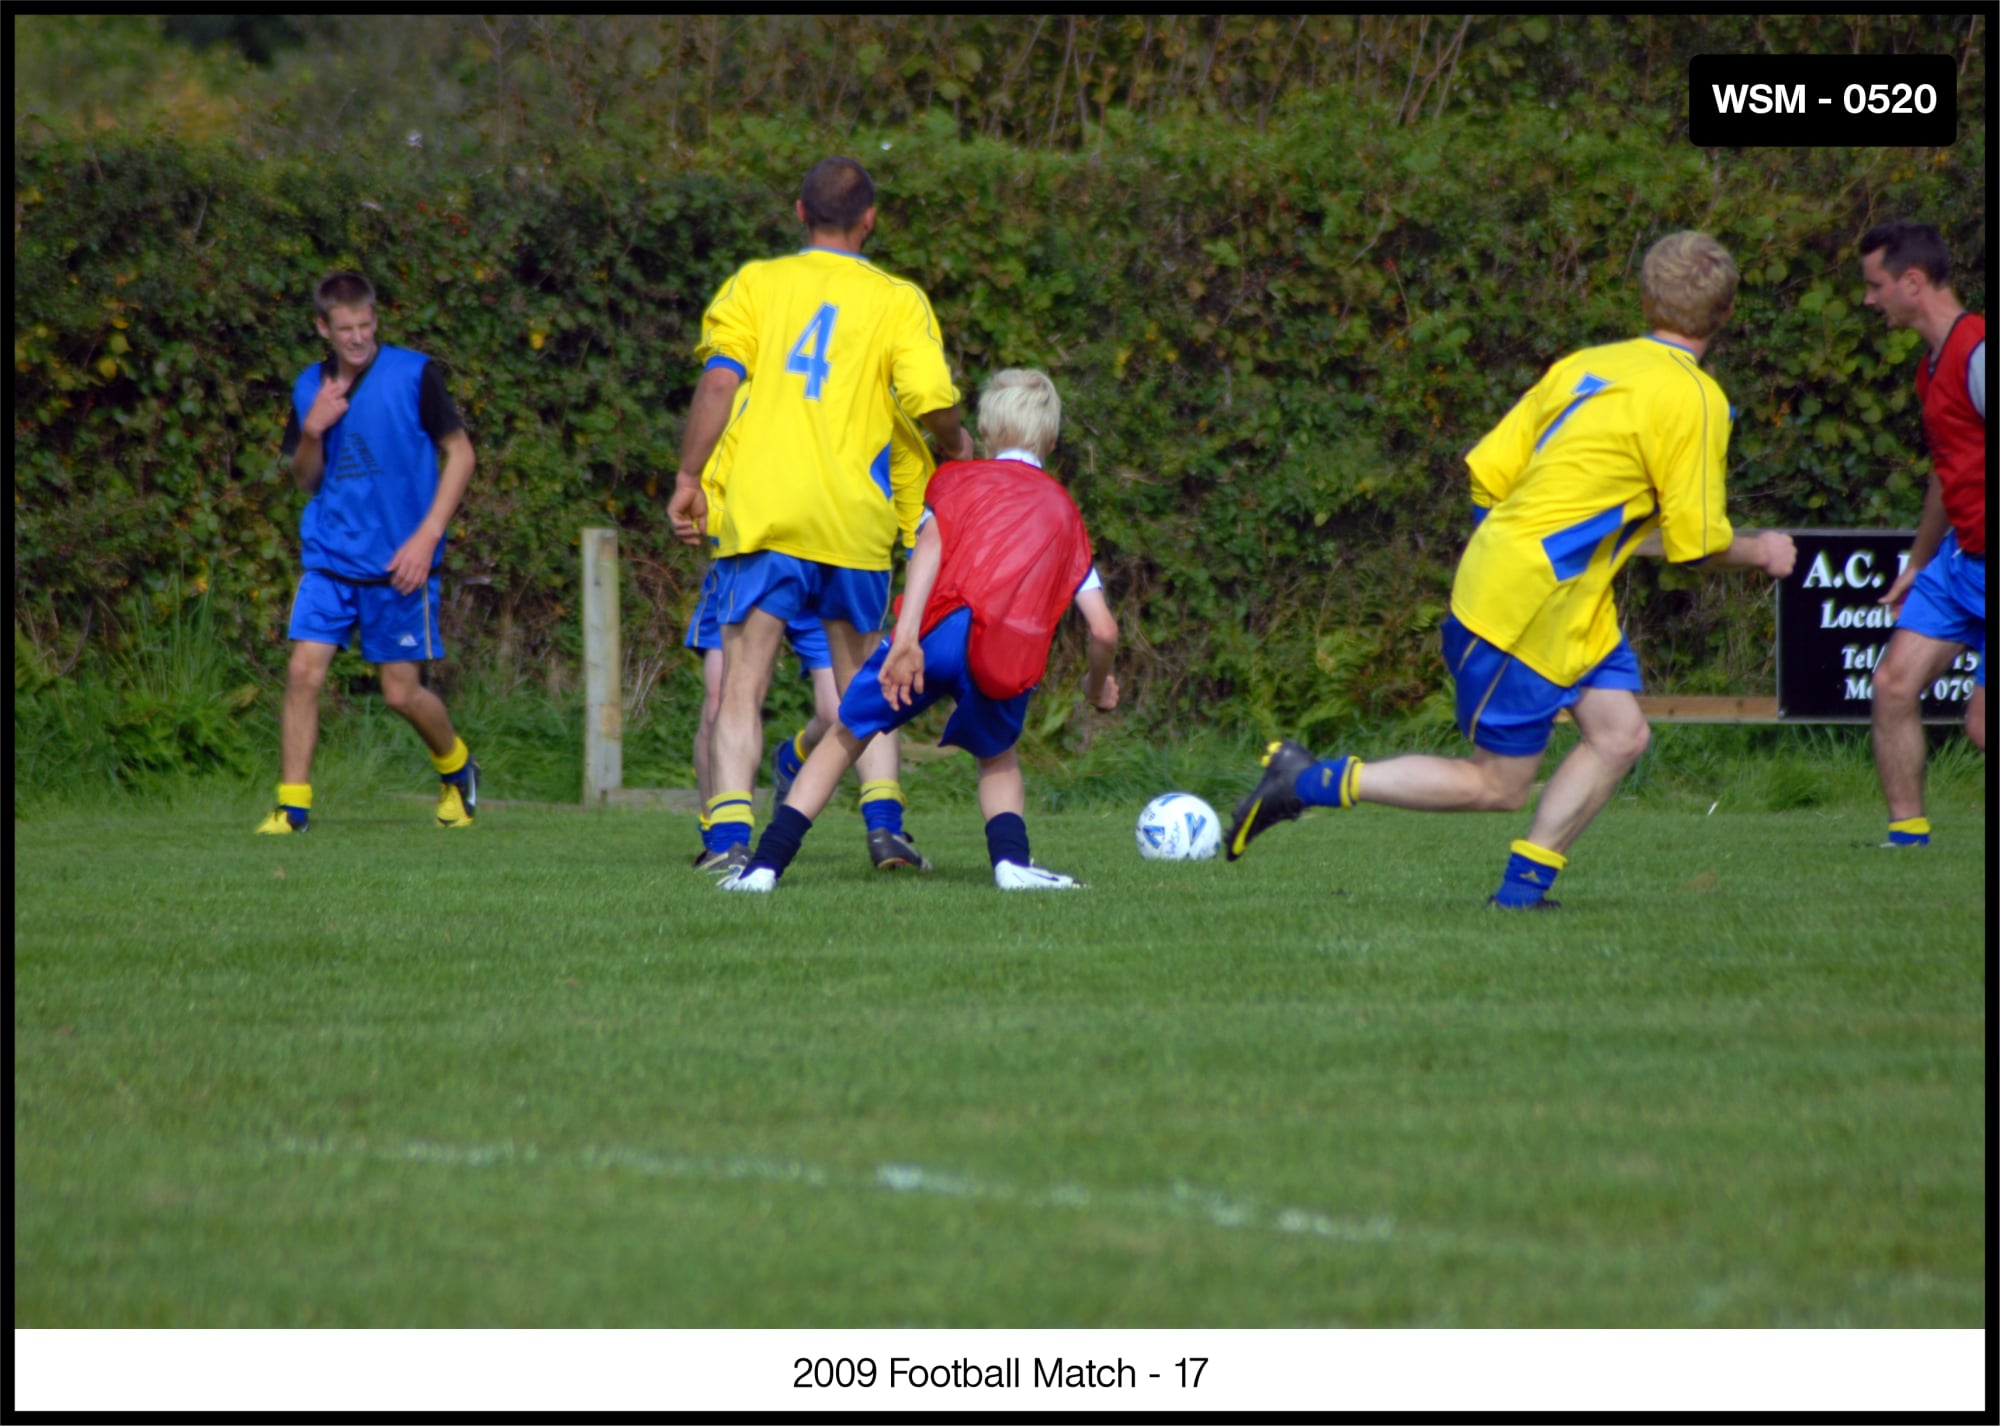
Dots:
pixel 760 878
pixel 1012 876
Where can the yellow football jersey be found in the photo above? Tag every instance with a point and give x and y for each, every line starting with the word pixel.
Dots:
pixel 910 466
pixel 836 349
pixel 1611 443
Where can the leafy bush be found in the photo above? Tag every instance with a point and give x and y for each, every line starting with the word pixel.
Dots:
pixel 1277 320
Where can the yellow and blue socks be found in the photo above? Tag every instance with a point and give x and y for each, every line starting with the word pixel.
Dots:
pixel 730 821
pixel 1909 832
pixel 780 842
pixel 790 757
pixel 1007 839
pixel 295 800
pixel 1531 871
pixel 1333 783
pixel 452 765
pixel 882 804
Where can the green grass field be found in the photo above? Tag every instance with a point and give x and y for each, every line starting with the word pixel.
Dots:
pixel 541 1074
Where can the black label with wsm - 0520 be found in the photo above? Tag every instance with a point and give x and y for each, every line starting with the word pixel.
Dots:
pixel 1822 100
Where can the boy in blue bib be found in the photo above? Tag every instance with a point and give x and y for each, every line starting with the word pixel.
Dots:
pixel 368 427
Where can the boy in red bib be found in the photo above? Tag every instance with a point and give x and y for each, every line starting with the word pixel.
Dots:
pixel 1001 554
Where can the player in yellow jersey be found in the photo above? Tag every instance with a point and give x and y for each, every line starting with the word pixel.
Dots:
pixel 880 767
pixel 1618 450
pixel 835 346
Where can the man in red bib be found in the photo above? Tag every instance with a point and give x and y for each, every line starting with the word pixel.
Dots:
pixel 1001 554
pixel 1941 592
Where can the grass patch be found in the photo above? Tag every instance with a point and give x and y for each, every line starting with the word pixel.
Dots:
pixel 542 1074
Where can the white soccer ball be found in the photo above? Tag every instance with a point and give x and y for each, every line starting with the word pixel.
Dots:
pixel 1178 827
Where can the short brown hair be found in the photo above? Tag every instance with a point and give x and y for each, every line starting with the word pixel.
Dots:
pixel 341 289
pixel 836 193
pixel 1907 245
pixel 1688 284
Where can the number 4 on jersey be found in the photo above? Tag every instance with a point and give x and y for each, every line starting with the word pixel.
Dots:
pixel 808 357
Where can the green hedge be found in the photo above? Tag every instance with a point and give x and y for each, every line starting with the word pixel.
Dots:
pixel 1274 344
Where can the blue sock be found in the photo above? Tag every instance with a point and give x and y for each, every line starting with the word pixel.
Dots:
pixel 780 842
pixel 712 843
pixel 1333 783
pixel 1007 839
pixel 1910 832
pixel 1531 871
pixel 787 760
pixel 882 804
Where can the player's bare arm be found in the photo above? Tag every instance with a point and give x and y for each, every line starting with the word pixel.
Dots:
pixel 708 415
pixel 1098 684
pixel 410 566
pixel 954 442
pixel 1771 551
pixel 329 405
pixel 903 670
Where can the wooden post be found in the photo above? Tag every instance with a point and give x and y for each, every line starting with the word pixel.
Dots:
pixel 603 669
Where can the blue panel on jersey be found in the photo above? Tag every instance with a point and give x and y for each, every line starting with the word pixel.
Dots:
pixel 1632 528
pixel 878 471
pixel 1569 550
pixel 1588 387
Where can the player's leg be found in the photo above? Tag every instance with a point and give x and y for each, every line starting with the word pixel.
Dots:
pixel 1943 616
pixel 749 652
pixel 880 769
pixel 404 694
pixel 704 638
pixel 324 613
pixel 811 790
pixel 1614 737
pixel 398 630
pixel 1975 714
pixel 1910 664
pixel 1507 741
pixel 1002 801
pixel 1422 782
pixel 880 766
pixel 808 641
pixel 305 677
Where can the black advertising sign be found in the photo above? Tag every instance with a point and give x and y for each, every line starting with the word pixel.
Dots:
pixel 1832 631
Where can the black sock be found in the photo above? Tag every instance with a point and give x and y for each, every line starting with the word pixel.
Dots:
pixel 1007 839
pixel 780 842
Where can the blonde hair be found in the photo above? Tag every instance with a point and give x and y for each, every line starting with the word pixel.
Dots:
pixel 1688 284
pixel 1019 407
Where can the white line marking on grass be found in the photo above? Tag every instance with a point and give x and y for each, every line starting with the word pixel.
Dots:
pixel 1181 1200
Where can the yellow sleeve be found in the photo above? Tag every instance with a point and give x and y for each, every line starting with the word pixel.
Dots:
pixel 910 467
pixel 715 475
pixel 729 326
pixel 919 369
pixel 1687 456
pixel 1504 452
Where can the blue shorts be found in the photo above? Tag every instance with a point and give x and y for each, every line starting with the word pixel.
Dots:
pixel 984 727
pixel 786 587
pixel 1948 601
pixel 807 634
pixel 1506 707
pixel 395 628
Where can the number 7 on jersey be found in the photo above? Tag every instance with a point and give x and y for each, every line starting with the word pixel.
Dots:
pixel 808 357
